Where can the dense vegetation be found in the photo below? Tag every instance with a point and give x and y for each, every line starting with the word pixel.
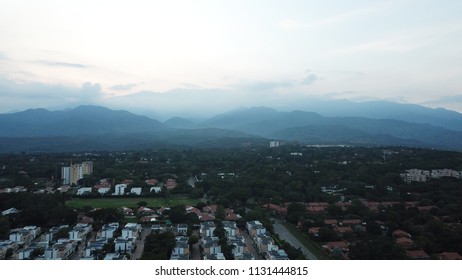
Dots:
pixel 247 178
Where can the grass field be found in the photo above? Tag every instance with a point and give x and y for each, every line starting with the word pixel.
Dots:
pixel 129 202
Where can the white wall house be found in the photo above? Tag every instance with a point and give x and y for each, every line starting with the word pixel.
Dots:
pixel 120 189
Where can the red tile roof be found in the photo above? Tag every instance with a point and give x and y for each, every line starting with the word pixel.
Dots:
pixel 450 256
pixel 351 222
pixel 400 233
pixel 343 229
pixel 404 242
pixel 330 222
pixel 417 254
pixel 341 244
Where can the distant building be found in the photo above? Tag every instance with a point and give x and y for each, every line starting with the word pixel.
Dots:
pixel 274 144
pixel 120 189
pixel 71 174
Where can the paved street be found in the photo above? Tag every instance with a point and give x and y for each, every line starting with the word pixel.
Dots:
pixel 196 254
pixel 140 243
pixel 250 244
pixel 284 234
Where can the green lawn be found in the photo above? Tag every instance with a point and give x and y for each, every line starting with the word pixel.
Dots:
pixel 130 202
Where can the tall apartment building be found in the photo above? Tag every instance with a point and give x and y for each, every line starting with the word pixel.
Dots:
pixel 66 175
pixel 71 174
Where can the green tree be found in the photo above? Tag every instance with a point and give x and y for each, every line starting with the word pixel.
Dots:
pixel 4 228
pixel 159 246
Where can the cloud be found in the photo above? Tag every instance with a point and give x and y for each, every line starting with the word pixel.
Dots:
pixel 24 95
pixel 60 64
pixel 445 100
pixel 311 78
pixel 266 86
pixel 291 24
pixel 451 102
pixel 123 87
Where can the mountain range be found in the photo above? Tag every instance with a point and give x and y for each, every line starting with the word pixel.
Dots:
pixel 99 128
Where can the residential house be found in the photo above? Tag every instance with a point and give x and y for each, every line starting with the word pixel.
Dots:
pixel 131 230
pixel 449 256
pixel 417 254
pixel 210 245
pixel 255 228
pixel 97 246
pixel 115 256
pixel 404 242
pixel 145 211
pixel 280 210
pixel 180 229
pixel 176 257
pixel 238 246
pixel 80 232
pixel 10 211
pixel 108 230
pixel 170 184
pixel 24 254
pixel 343 245
pixel 314 231
pixel 230 228
pixel 276 255
pixel 24 235
pixel 181 246
pixel 230 215
pixel 155 189
pixel 84 191
pixel 136 191
pixel 124 244
pixel 6 245
pixel 244 257
pixel 52 233
pixel 265 243
pixel 60 250
pixel 127 211
pixel 350 222
pixel 343 230
pixel 215 256
pixel 151 182
pixel 207 229
pixel 330 222
pixel 119 189
pixel 400 233
pixel 104 190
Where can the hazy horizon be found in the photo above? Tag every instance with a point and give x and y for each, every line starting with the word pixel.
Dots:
pixel 184 58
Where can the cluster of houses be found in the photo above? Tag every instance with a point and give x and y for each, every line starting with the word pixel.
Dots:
pixel 30 243
pixel 104 187
pixel 405 241
pixel 212 250
pixel 418 175
pixel 346 229
pixel 264 242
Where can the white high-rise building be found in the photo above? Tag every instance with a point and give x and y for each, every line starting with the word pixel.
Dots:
pixel 66 175
pixel 70 175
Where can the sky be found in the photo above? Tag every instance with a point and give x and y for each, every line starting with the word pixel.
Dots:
pixel 205 57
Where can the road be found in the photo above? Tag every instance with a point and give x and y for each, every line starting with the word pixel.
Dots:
pixel 250 244
pixel 140 243
pixel 196 254
pixel 284 234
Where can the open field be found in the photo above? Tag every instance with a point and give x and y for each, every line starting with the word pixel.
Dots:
pixel 130 202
